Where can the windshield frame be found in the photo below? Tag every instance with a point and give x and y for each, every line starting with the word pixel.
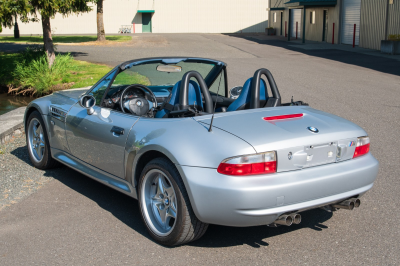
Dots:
pixel 209 80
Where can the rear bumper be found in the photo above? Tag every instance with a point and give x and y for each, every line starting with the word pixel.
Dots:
pixel 258 200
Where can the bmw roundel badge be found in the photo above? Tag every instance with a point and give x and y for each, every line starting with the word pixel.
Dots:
pixel 313 129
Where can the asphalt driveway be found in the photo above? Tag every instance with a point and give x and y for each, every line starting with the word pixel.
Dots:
pixel 73 220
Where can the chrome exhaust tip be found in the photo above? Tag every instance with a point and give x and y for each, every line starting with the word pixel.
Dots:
pixel 284 220
pixel 347 205
pixel 296 218
pixel 357 203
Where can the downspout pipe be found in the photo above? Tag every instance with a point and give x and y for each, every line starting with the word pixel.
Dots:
pixel 289 22
pixel 304 25
pixel 387 21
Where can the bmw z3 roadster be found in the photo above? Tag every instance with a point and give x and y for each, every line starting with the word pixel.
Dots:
pixel 168 132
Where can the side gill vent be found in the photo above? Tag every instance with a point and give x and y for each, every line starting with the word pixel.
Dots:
pixel 58 113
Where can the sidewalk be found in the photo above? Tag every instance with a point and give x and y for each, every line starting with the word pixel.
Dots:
pixel 309 45
pixel 313 45
pixel 11 123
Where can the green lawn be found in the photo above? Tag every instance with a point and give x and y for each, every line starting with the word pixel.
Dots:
pixel 64 39
pixel 81 73
pixel 130 77
pixel 85 74
pixel 28 70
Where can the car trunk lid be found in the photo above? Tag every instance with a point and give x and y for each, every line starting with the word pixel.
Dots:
pixel 296 145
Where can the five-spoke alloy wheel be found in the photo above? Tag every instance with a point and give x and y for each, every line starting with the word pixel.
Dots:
pixel 38 143
pixel 165 206
pixel 158 197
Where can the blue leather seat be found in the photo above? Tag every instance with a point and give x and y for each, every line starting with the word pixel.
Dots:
pixel 194 98
pixel 245 96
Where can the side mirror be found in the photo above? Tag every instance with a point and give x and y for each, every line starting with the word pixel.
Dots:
pixel 235 92
pixel 88 102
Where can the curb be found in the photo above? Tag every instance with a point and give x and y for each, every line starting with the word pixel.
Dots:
pixel 11 123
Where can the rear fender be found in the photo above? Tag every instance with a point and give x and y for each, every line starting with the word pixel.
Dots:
pixel 133 155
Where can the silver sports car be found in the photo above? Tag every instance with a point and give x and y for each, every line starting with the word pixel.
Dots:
pixel 168 132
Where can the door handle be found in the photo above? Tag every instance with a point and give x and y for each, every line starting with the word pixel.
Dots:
pixel 117 131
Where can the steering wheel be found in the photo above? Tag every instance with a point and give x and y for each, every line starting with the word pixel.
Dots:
pixel 184 91
pixel 138 106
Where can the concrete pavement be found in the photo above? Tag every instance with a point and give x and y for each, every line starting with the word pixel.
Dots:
pixel 11 122
pixel 74 220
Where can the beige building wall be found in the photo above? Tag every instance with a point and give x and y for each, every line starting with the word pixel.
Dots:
pixel 394 18
pixel 374 16
pixel 172 16
pixel 313 31
pixel 285 14
pixel 373 23
pixel 116 13
pixel 210 16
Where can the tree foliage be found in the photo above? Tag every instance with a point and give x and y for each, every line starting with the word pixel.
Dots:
pixel 30 10
pixel 10 8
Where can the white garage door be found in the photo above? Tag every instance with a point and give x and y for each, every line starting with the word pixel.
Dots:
pixel 351 16
pixel 295 17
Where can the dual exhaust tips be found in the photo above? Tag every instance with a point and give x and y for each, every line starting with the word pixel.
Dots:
pixel 349 204
pixel 288 219
pixel 295 218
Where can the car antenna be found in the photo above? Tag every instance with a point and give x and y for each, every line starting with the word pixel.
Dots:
pixel 215 105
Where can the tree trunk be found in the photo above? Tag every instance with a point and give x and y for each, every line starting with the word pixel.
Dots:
pixel 48 41
pixel 101 35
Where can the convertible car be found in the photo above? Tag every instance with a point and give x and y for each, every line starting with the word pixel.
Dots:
pixel 168 132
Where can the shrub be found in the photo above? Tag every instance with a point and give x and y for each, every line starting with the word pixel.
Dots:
pixel 394 37
pixel 34 77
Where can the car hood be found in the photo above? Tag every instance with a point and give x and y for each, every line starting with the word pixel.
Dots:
pixel 279 134
pixel 73 93
pixel 61 100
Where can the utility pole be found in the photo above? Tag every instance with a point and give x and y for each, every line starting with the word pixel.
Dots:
pixel 16 29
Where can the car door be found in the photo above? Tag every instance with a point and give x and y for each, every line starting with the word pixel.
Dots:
pixel 99 139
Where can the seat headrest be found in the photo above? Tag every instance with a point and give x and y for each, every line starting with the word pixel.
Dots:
pixel 245 96
pixel 194 97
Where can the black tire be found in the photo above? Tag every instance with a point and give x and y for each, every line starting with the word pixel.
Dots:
pixel 187 227
pixel 47 161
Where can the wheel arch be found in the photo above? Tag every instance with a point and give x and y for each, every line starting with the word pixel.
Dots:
pixel 32 107
pixel 29 110
pixel 148 153
pixel 142 161
pixel 137 158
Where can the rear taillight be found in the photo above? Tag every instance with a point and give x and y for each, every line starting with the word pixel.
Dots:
pixel 263 163
pixel 362 147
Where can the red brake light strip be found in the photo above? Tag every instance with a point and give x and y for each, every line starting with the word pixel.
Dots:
pixel 280 117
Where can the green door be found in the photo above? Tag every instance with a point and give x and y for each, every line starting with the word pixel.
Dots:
pixel 146 22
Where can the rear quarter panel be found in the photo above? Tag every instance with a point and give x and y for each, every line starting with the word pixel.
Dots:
pixel 184 141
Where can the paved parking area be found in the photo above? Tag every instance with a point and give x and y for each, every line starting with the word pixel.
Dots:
pixel 74 220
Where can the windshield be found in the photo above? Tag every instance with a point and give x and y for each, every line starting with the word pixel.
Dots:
pixel 156 74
